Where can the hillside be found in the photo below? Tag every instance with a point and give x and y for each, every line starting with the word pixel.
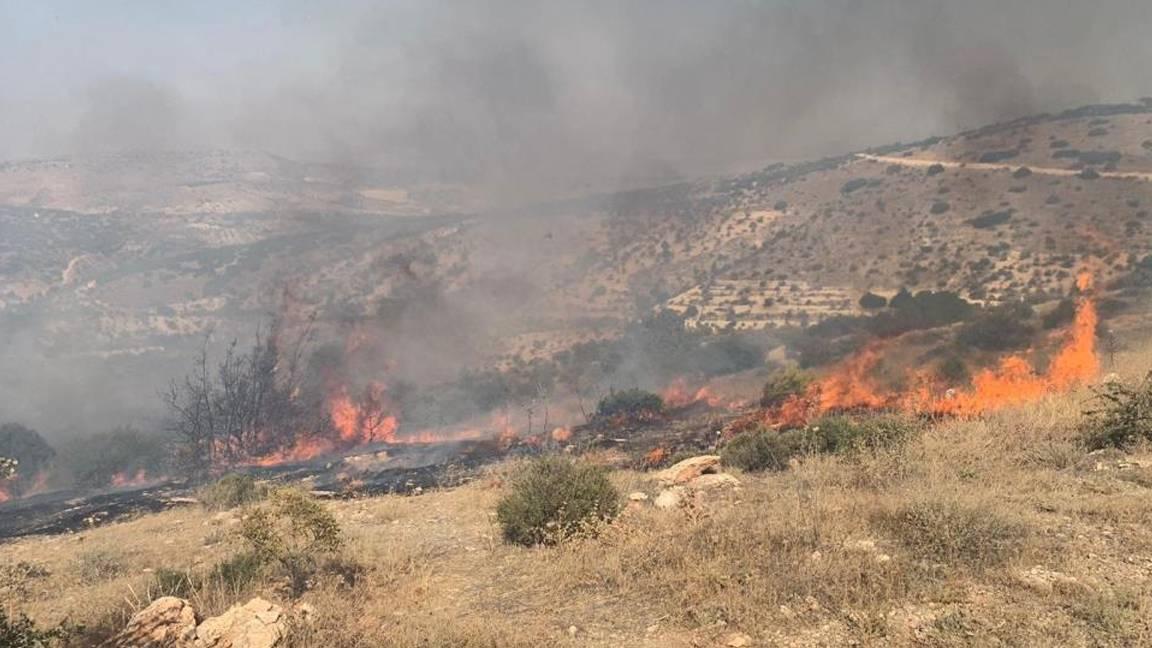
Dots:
pixel 132 262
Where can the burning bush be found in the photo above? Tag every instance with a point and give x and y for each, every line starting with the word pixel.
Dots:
pixel 1121 416
pixel 782 385
pixel 554 499
pixel 231 491
pixel 293 531
pixel 630 404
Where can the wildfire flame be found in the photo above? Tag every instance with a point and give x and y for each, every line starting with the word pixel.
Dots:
pixel 139 478
pixel 1013 381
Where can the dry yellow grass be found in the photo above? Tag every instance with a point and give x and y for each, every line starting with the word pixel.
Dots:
pixel 1000 531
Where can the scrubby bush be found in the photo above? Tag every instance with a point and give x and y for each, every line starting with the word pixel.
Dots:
pixel 292 530
pixel 853 185
pixel 30 452
pixel 765 449
pixel 872 301
pixel 939 207
pixel 935 169
pixel 953 534
pixel 841 434
pixel 630 403
pixel 1120 415
pixel 21 632
pixel 782 385
pixel 554 499
pixel 993 157
pixel 991 219
pixel 94 461
pixel 768 449
pixel 1001 328
pixel 231 491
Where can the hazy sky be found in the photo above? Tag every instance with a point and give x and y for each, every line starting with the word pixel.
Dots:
pixel 558 92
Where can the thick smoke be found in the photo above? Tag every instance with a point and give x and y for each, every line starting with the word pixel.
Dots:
pixel 532 98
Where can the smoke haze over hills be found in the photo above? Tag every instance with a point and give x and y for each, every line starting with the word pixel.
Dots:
pixel 535 96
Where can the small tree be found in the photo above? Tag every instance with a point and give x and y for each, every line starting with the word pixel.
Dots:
pixel 29 451
pixel 294 531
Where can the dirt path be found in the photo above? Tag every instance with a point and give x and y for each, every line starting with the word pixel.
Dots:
pixel 984 166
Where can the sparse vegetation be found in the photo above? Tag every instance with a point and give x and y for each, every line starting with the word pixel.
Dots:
pixel 554 499
pixel 954 534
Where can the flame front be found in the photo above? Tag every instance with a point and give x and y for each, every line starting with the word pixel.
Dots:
pixel 1012 382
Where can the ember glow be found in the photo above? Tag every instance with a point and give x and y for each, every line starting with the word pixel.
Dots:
pixel 124 479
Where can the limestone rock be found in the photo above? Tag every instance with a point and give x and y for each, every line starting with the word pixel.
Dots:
pixel 168 622
pixel 713 481
pixel 689 469
pixel 256 624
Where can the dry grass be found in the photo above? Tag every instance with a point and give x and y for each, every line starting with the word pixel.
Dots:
pixel 996 531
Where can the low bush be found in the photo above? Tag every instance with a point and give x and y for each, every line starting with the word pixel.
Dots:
pixel 294 531
pixel 21 632
pixel 772 450
pixel 765 449
pixel 630 403
pixel 1004 327
pixel 554 499
pixel 231 491
pixel 953 534
pixel 1120 415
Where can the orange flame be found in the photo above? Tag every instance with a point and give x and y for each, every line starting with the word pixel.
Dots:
pixel 1012 382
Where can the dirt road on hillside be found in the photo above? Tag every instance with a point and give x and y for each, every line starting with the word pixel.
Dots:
pixel 984 166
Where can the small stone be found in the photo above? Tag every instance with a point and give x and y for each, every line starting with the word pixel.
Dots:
pixel 573 630
pixel 638 497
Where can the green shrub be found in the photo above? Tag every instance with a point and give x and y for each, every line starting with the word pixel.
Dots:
pixel 872 301
pixel 768 449
pixel 765 449
pixel 953 534
pixel 21 632
pixel 782 385
pixel 231 491
pixel 842 434
pixel 630 403
pixel 1120 415
pixel 999 329
pixel 554 499
pixel 292 530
